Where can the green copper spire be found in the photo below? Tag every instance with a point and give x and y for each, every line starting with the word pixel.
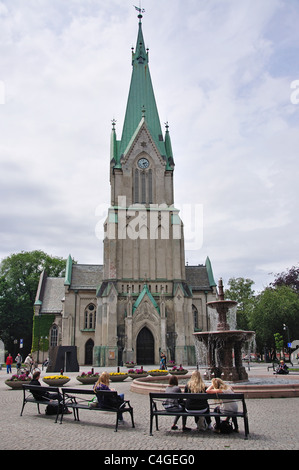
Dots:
pixel 168 148
pixel 141 107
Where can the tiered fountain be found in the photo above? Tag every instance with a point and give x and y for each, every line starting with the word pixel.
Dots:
pixel 224 346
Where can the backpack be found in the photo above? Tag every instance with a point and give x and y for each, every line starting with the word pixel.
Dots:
pixel 51 409
pixel 225 427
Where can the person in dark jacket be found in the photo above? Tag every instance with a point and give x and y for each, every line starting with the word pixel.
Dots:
pixel 40 395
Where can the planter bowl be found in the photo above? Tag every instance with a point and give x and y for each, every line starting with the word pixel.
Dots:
pixel 118 378
pixel 16 384
pixel 160 374
pixel 87 380
pixel 56 382
pixel 136 376
pixel 178 372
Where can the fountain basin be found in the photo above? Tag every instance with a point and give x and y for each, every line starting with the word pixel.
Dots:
pixel 263 387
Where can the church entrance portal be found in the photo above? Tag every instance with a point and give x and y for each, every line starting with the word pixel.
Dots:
pixel 145 347
pixel 89 351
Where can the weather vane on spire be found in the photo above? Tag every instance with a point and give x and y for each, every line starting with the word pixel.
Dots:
pixel 141 10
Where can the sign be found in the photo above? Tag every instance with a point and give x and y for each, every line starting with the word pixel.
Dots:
pixel 21 343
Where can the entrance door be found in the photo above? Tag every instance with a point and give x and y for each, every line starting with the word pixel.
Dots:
pixel 89 352
pixel 145 347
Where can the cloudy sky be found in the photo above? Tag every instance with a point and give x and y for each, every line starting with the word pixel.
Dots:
pixel 226 78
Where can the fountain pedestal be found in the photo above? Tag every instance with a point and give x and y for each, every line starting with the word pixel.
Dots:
pixel 224 346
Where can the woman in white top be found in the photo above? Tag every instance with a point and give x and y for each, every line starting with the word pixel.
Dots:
pixel 218 386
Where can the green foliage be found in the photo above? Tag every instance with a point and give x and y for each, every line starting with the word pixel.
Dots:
pixel 19 277
pixel 273 308
pixel 240 290
pixel 41 327
pixel 278 338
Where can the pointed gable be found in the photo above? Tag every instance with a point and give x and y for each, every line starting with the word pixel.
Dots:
pixel 145 292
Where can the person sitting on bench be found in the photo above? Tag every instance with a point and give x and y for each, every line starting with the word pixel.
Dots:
pixel 217 387
pixel 282 368
pixel 106 402
pixel 40 395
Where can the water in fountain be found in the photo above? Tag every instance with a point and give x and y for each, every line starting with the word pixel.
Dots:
pixel 231 318
pixel 201 354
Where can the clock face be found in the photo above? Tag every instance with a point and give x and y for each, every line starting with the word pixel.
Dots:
pixel 143 163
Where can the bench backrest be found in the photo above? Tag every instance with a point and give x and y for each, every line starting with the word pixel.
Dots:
pixel 82 391
pixel 107 398
pixel 39 388
pixel 202 396
pixel 199 396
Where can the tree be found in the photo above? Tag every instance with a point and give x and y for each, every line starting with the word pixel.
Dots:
pixel 278 339
pixel 274 307
pixel 289 278
pixel 240 290
pixel 19 277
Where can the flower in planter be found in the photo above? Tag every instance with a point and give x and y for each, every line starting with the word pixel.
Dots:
pixel 161 371
pixel 55 377
pixel 20 378
pixel 137 371
pixel 89 374
pixel 117 373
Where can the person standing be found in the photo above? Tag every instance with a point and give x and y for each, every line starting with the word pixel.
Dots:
pixel 8 363
pixel 18 360
pixel 28 362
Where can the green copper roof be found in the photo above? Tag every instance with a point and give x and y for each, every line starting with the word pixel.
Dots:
pixel 68 271
pixel 210 272
pixel 145 291
pixel 141 105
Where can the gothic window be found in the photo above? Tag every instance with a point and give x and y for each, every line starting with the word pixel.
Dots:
pixel 195 317
pixel 54 336
pixel 90 317
pixel 143 186
pixel 150 186
pixel 136 186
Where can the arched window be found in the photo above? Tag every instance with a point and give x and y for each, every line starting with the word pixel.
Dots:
pixel 90 317
pixel 54 336
pixel 195 317
pixel 143 186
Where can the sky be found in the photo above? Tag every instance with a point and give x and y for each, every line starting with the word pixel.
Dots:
pixel 226 78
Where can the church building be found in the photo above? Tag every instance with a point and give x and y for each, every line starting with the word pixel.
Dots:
pixel 143 300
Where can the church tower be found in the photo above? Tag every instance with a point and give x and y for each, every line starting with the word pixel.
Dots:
pixel 144 302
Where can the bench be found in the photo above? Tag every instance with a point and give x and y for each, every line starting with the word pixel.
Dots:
pixel 76 399
pixel 157 409
pixel 28 397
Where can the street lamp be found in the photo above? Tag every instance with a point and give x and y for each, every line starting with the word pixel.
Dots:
pixel 286 328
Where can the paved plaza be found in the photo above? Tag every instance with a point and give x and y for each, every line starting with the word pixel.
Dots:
pixel 273 425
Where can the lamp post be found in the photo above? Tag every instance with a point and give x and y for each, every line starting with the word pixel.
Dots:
pixel 286 328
